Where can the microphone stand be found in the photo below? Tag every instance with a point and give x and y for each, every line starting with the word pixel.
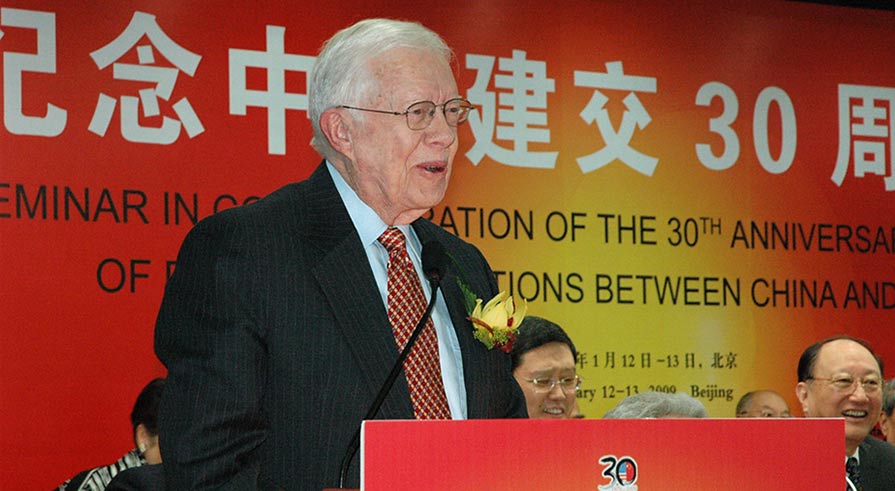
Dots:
pixel 434 282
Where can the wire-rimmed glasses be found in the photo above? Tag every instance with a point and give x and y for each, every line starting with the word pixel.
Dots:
pixel 566 384
pixel 419 115
pixel 848 384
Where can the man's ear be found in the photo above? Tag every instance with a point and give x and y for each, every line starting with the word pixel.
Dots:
pixel 802 395
pixel 337 129
pixel 142 437
pixel 884 424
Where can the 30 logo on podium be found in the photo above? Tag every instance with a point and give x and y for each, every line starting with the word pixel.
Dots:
pixel 621 472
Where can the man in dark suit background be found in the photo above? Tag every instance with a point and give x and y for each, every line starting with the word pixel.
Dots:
pixel 274 327
pixel 841 377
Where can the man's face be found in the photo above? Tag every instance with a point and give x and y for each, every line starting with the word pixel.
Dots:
pixel 551 361
pixel 400 172
pixel 843 359
pixel 766 404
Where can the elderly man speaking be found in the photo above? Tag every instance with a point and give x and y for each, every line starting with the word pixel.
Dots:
pixel 284 317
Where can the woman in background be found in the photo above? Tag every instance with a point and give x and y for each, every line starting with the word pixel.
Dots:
pixel 144 420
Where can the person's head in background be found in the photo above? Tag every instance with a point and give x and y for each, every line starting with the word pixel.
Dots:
pixel 886 418
pixel 543 359
pixel 841 377
pixel 144 419
pixel 762 404
pixel 657 405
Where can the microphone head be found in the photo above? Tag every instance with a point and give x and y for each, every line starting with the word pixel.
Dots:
pixel 435 260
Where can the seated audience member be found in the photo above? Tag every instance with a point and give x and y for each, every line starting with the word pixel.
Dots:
pixel 543 360
pixel 841 377
pixel 657 405
pixel 762 404
pixel 886 419
pixel 145 427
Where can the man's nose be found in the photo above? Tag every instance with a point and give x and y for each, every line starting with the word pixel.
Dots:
pixel 439 131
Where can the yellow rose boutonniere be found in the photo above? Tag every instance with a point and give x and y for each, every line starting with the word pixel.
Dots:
pixel 495 324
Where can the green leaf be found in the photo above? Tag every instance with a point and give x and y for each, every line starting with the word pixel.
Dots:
pixel 469 296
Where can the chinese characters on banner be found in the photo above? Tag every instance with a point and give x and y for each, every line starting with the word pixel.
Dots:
pixel 510 116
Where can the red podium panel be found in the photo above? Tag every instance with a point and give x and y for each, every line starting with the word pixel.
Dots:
pixel 604 455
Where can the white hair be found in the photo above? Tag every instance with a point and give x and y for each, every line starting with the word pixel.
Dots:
pixel 341 74
pixel 657 405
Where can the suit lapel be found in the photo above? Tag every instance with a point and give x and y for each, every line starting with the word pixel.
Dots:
pixel 867 456
pixel 349 287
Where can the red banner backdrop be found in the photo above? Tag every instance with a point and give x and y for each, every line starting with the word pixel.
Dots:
pixel 695 191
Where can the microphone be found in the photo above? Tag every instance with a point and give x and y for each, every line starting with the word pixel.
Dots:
pixel 435 261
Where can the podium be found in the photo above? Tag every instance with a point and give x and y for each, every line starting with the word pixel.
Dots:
pixel 604 455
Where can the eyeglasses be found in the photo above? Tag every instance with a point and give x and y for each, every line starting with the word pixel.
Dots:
pixel 420 114
pixel 847 384
pixel 566 384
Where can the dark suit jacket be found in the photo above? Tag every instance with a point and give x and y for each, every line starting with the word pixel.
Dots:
pixel 143 478
pixel 276 342
pixel 877 465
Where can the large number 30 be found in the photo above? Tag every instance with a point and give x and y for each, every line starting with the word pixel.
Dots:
pixel 731 148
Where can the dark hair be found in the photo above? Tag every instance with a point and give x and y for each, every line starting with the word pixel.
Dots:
pixel 145 410
pixel 537 331
pixel 809 356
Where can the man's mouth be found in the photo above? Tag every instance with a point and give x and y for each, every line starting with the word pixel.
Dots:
pixel 853 413
pixel 554 411
pixel 434 167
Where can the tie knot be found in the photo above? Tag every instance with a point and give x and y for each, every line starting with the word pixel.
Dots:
pixel 392 239
pixel 851 465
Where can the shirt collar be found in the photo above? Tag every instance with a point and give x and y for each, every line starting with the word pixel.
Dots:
pixel 368 224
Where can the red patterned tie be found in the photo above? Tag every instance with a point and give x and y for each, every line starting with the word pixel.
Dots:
pixel 406 305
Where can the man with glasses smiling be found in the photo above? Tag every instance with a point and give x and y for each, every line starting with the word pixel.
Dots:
pixel 543 358
pixel 284 317
pixel 841 377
